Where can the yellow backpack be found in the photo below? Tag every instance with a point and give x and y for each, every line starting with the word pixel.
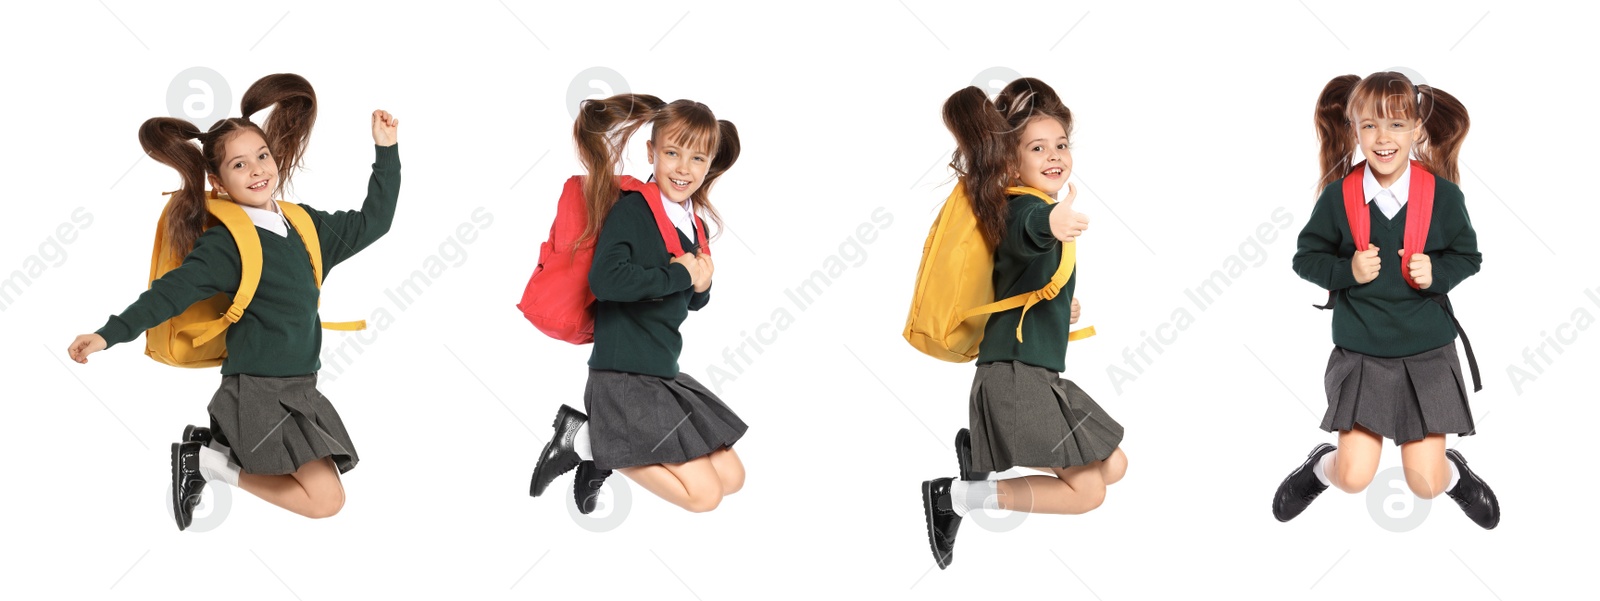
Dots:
pixel 192 339
pixel 955 287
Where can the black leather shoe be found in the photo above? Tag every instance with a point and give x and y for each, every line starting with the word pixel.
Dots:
pixel 1301 487
pixel 964 457
pixel 586 486
pixel 1473 494
pixel 198 434
pixel 559 455
pixel 941 519
pixel 186 481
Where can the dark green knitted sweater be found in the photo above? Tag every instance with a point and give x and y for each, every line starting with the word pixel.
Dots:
pixel 1024 262
pixel 642 297
pixel 1386 317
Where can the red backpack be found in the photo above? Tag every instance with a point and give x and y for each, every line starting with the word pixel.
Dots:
pixel 557 299
pixel 1419 214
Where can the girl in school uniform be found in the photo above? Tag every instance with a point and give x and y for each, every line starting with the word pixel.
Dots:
pixel 1394 371
pixel 642 416
pixel 272 433
pixel 1022 412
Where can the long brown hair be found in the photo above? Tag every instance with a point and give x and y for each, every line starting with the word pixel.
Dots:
pixel 1388 94
pixel 986 138
pixel 604 126
pixel 170 141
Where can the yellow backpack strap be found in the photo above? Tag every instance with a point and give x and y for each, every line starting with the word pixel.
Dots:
pixel 249 243
pixel 301 220
pixel 1026 300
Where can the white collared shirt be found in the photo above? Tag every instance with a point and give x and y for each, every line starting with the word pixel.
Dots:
pixel 1389 199
pixel 272 221
pixel 682 217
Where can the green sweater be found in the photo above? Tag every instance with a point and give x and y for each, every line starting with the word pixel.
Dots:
pixel 1024 262
pixel 1387 317
pixel 280 333
pixel 641 296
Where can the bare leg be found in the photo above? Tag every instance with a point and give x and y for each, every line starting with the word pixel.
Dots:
pixel 1114 467
pixel 729 470
pixel 1427 469
pixel 692 485
pixel 1357 461
pixel 313 491
pixel 1073 490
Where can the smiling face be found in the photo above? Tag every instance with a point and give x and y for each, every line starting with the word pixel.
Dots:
pixel 247 173
pixel 1386 142
pixel 679 169
pixel 1044 160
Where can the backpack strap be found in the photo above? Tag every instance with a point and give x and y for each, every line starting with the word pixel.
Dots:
pixel 1418 216
pixel 652 197
pixel 1354 194
pixel 249 243
pixel 1026 300
pixel 301 220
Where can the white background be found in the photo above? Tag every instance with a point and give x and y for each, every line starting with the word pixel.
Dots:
pixel 1193 127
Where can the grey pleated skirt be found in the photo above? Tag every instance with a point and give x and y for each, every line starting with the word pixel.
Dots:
pixel 1402 398
pixel 1027 416
pixel 637 419
pixel 275 425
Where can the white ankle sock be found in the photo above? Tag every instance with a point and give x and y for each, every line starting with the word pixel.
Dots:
pixel 1455 475
pixel 580 443
pixel 1320 470
pixel 215 467
pixel 967 495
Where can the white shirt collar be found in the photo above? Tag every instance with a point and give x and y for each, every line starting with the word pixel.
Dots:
pixel 272 221
pixel 1400 189
pixel 682 217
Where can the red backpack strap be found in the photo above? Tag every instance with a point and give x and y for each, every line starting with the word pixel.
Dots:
pixel 652 197
pixel 1418 216
pixel 700 235
pixel 1355 207
pixel 1356 213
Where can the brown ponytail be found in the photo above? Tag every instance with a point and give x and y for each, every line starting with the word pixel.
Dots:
pixel 601 132
pixel 1336 138
pixel 169 140
pixel 1389 94
pixel 288 127
pixel 1446 123
pixel 981 157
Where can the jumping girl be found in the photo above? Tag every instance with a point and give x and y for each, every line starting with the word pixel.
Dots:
pixel 643 417
pixel 272 433
pixel 1393 372
pixel 1022 412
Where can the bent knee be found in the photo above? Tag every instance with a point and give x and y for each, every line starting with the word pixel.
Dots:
pixel 731 483
pixel 1114 468
pixel 702 503
pixel 325 507
pixel 1424 487
pixel 1093 498
pixel 1354 479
